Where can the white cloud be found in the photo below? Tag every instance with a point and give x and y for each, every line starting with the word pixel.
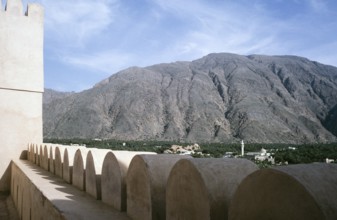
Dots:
pixel 106 62
pixel 221 27
pixel 75 22
pixel 105 36
pixel 250 28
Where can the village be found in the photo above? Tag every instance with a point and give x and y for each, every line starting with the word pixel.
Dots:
pixel 263 157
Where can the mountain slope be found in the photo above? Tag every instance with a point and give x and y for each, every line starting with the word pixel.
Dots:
pixel 220 97
pixel 50 95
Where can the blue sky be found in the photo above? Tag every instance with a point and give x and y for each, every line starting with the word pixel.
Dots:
pixel 86 41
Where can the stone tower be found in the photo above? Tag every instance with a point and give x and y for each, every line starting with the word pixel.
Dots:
pixel 21 82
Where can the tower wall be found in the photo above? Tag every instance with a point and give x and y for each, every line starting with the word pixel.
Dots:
pixel 21 82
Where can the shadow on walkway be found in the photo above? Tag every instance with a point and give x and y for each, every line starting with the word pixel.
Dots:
pixel 7 209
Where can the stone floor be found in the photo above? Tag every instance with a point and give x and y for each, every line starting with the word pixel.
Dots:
pixel 7 209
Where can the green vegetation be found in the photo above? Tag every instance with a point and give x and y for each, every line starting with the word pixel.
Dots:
pixel 293 154
pixel 307 153
pixel 153 146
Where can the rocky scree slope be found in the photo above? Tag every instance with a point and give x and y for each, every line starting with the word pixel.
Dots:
pixel 50 95
pixel 220 97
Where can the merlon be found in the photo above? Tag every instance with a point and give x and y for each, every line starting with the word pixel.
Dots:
pixel 15 7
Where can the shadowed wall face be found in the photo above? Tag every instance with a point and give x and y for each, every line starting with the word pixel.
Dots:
pixel 139 191
pixel 93 172
pixel 146 185
pixel 80 158
pixel 68 162
pixel 45 158
pixel 59 152
pixel 203 188
pixel 113 180
pixel 187 201
pixel 21 81
pixel 78 171
pixel 112 183
pixel 290 192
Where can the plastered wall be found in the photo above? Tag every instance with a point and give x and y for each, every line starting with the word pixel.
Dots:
pixel 160 187
pixel 28 199
pixel 21 81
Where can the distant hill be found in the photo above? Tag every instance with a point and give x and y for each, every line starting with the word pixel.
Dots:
pixel 218 98
pixel 50 95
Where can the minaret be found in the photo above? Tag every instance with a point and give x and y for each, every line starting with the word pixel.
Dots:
pixel 242 148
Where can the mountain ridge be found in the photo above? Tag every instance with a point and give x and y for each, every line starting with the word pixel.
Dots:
pixel 217 98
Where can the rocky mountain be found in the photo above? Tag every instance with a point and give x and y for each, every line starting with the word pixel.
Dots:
pixel 50 95
pixel 220 97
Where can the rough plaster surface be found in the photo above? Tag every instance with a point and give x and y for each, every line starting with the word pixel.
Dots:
pixel 52 158
pixel 21 82
pixel 21 43
pixel 93 171
pixel 31 153
pixel 178 187
pixel 40 154
pixel 37 154
pixel 68 162
pixel 203 188
pixel 146 185
pixel 21 123
pixel 113 179
pixel 45 158
pixel 80 159
pixel 7 208
pixel 37 194
pixel 291 192
pixel 59 153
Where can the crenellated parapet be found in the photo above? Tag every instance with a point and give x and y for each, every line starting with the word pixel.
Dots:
pixel 21 43
pixel 144 185
pixel 33 11
pixel 14 7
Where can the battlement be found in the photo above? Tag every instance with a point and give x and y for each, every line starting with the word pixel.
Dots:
pixel 68 182
pixel 15 8
pixel 21 43
pixel 145 185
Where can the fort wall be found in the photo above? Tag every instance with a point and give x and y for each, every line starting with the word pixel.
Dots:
pixel 21 82
pixel 38 194
pixel 162 187
pixel 202 188
pixel 303 191
pixel 145 186
pixel 114 170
